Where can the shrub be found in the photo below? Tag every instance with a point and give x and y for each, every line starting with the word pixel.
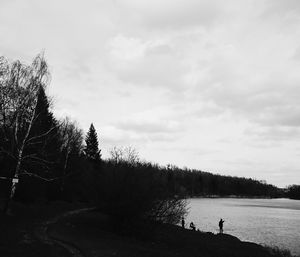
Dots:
pixel 131 192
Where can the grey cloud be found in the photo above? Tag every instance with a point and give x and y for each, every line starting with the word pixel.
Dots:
pixel 275 108
pixel 124 93
pixel 126 137
pixel 172 14
pixel 160 50
pixel 296 55
pixel 274 134
pixel 198 151
pixel 191 150
pixel 207 111
pixel 282 14
pixel 187 110
pixel 110 141
pixel 279 7
pixel 269 101
pixel 77 69
pixel 161 137
pixel 160 66
pixel 196 14
pixel 141 132
pixel 280 116
pixel 151 127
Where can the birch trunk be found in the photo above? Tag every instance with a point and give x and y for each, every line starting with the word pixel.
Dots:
pixel 64 173
pixel 15 174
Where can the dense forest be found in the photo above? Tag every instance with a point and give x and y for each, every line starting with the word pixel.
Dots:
pixel 43 158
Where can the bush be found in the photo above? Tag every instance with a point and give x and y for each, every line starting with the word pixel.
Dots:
pixel 131 192
pixel 278 252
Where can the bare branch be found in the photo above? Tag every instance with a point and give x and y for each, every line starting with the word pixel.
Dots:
pixel 34 157
pixel 42 135
pixel 40 177
pixel 7 152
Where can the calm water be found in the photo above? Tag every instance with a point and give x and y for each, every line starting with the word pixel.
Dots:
pixel 274 222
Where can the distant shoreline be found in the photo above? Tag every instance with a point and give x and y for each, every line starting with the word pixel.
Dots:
pixel 239 197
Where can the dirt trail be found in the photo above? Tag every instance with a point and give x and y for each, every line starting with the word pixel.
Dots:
pixel 41 232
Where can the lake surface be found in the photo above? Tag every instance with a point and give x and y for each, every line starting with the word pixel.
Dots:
pixel 273 222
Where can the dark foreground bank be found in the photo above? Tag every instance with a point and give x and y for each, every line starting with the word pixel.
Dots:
pixel 35 232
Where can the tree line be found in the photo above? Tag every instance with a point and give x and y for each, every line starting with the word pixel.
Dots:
pixel 43 158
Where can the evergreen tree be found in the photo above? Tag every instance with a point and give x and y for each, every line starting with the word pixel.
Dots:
pixel 91 150
pixel 42 152
pixel 45 142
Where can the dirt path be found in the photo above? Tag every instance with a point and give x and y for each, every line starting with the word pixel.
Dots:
pixel 41 233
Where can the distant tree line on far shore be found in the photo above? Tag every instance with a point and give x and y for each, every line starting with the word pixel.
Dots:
pixel 293 192
pixel 43 159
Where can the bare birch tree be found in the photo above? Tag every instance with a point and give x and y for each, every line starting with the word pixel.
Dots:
pixel 19 88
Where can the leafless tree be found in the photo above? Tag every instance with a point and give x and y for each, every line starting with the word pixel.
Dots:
pixel 168 210
pixel 19 88
pixel 71 141
pixel 124 154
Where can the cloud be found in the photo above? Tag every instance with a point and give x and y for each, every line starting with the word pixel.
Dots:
pixel 274 134
pixel 174 15
pixel 141 140
pixel 150 63
pixel 296 55
pixel 286 10
pixel 150 126
pixel 178 14
pixel 260 86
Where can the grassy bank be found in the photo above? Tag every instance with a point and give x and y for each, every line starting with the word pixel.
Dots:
pixel 94 234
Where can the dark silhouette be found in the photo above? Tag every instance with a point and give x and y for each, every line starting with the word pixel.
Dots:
pixel 91 150
pixel 71 138
pixel 182 223
pixel 133 191
pixel 193 182
pixel 293 192
pixel 221 225
pixel 192 226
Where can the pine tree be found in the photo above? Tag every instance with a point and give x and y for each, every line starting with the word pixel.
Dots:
pixel 42 151
pixel 45 145
pixel 91 150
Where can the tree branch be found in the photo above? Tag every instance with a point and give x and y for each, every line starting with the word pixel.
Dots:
pixel 39 136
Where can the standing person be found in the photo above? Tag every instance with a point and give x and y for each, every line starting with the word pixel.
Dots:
pixel 221 225
pixel 182 222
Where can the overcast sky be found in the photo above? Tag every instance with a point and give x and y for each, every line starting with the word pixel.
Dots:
pixel 213 85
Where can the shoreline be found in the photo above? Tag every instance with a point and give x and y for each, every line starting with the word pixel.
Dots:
pixel 237 197
pixel 179 242
pixel 272 222
pixel 92 234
